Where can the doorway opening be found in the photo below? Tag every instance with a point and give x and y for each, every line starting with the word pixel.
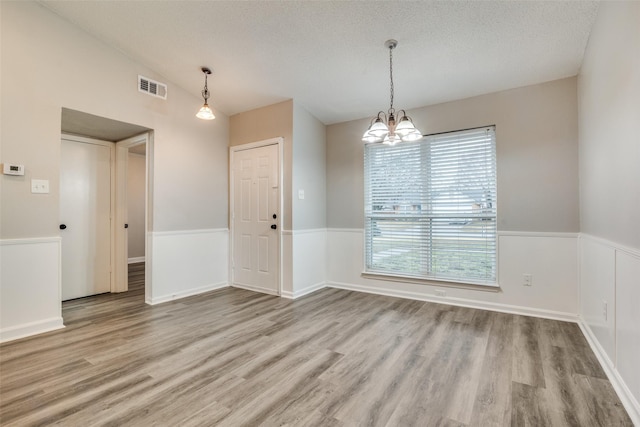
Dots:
pixel 128 186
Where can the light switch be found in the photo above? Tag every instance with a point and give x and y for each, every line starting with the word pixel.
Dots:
pixel 301 194
pixel 40 186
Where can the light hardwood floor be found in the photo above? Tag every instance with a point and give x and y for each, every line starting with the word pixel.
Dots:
pixel 334 358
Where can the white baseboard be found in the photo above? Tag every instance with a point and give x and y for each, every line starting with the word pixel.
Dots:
pixel 136 260
pixel 460 302
pixel 186 293
pixel 626 397
pixel 28 329
pixel 302 292
pixel 254 289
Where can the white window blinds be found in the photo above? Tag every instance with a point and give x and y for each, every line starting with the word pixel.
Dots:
pixel 430 207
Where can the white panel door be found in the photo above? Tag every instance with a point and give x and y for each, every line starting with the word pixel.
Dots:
pixel 256 210
pixel 85 209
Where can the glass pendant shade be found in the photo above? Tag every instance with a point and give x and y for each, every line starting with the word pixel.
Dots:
pixel 405 127
pixel 205 113
pixel 376 131
pixel 378 128
pixel 414 135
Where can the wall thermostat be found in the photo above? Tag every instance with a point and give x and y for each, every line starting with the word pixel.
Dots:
pixel 11 169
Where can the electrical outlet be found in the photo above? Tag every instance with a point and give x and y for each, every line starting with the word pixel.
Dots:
pixel 527 279
pixel 604 310
pixel 440 293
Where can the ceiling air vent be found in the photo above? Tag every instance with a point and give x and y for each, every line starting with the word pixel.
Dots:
pixel 152 87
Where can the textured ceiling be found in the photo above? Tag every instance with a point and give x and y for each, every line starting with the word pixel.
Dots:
pixel 329 55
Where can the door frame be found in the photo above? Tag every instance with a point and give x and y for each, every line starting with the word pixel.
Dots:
pixel 121 283
pixel 279 141
pixel 112 200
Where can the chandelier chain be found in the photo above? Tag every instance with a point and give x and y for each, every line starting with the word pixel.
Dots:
pixel 205 91
pixel 391 76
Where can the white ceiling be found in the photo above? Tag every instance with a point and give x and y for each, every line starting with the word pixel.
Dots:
pixel 330 56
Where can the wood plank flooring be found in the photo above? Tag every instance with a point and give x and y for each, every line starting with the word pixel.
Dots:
pixel 334 358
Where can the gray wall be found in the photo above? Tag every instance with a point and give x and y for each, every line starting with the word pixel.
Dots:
pixel 309 170
pixel 537 155
pixel 609 111
pixel 136 172
pixel 48 64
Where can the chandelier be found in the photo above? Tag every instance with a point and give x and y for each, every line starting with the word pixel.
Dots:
pixel 383 127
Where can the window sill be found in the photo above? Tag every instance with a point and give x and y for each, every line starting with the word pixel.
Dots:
pixel 486 287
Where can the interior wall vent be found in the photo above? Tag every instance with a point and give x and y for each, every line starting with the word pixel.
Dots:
pixel 152 87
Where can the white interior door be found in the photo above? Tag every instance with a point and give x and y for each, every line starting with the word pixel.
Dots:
pixel 85 211
pixel 256 215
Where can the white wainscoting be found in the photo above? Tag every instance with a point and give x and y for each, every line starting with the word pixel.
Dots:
pixel 551 259
pixel 309 249
pixel 30 294
pixel 188 262
pixel 611 273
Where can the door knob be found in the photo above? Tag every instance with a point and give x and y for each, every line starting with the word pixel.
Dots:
pixel 275 216
pixel 273 226
pixel 126 226
pixel 62 226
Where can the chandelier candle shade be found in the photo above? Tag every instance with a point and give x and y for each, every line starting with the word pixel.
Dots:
pixel 383 127
pixel 205 112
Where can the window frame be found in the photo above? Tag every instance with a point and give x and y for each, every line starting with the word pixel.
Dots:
pixel 406 277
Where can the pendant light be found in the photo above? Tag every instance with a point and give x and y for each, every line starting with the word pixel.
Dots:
pixel 205 112
pixel 383 127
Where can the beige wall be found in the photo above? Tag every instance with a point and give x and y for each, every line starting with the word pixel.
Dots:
pixel 609 111
pixel 265 123
pixel 48 64
pixel 135 204
pixel 537 152
pixel 309 170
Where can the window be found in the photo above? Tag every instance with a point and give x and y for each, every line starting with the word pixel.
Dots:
pixel 430 207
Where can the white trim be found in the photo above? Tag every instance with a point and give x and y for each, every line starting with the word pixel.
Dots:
pixel 186 293
pixel 626 397
pixel 31 240
pixel 86 140
pixel 186 232
pixel 538 234
pixel 303 231
pixel 135 260
pixel 257 144
pixel 459 302
pixel 306 291
pixel 611 244
pixel 487 286
pixel 500 233
pixel 346 230
pixel 33 328
pixel 308 231
pixel 255 289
